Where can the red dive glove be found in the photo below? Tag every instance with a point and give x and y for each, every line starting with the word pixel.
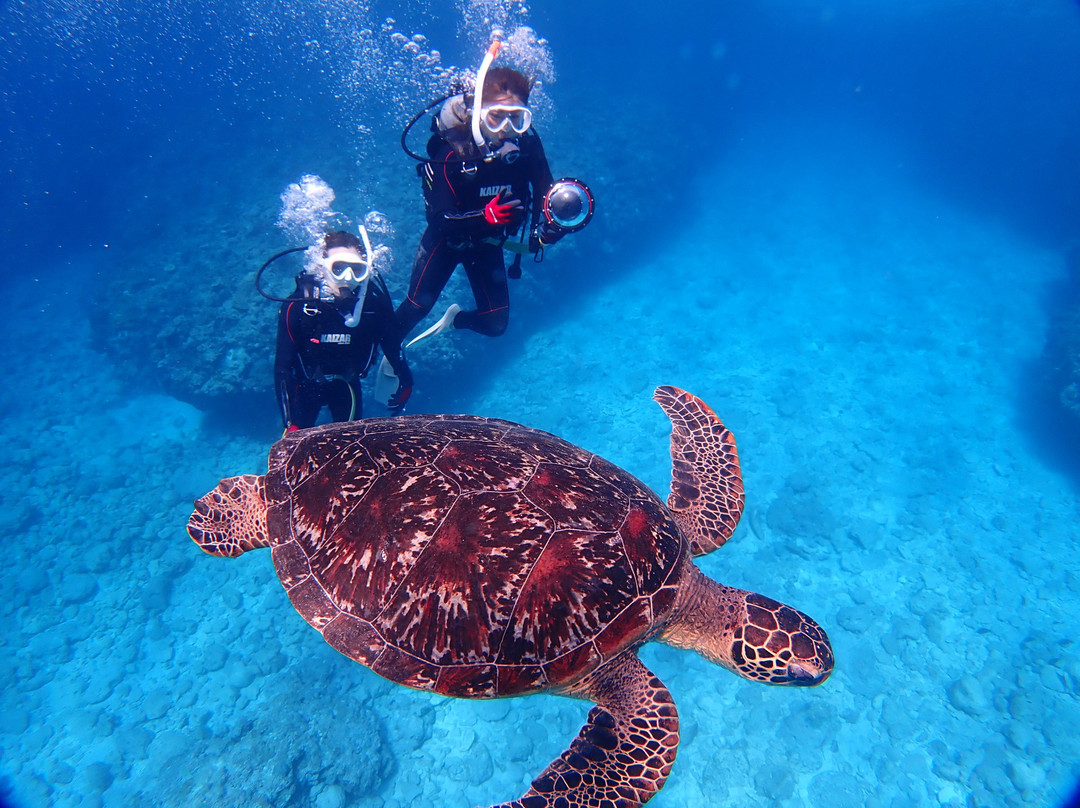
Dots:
pixel 502 211
pixel 397 402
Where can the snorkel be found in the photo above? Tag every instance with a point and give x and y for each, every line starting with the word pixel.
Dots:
pixel 478 96
pixel 362 282
pixel 354 319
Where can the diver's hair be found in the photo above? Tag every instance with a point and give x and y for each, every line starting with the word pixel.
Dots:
pixel 342 238
pixel 502 80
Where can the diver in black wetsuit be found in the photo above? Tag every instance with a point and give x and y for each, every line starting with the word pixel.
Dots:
pixel 480 171
pixel 328 337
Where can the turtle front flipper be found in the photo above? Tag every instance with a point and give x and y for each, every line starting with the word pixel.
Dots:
pixel 706 496
pixel 625 751
pixel 231 519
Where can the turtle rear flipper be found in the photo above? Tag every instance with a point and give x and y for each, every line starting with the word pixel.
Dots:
pixel 625 751
pixel 706 496
pixel 231 519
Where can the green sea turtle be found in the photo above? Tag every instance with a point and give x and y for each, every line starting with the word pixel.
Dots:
pixel 479 558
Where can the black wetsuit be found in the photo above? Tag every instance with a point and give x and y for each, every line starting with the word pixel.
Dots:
pixel 320 360
pixel 455 194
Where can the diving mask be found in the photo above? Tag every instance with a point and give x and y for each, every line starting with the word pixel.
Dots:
pixel 499 117
pixel 347 266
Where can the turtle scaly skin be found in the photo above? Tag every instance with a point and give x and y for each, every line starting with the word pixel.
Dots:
pixel 479 558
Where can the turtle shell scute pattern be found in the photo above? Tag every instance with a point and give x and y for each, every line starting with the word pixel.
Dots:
pixel 469 556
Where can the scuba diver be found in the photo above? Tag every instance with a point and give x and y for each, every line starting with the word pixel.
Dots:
pixel 328 331
pixel 485 169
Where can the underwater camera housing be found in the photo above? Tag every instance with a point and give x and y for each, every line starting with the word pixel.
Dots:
pixel 568 205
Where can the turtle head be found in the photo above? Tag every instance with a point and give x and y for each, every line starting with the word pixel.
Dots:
pixel 749 634
pixel 231 519
pixel 778 645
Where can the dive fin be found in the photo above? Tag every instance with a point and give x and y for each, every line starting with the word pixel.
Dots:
pixel 445 322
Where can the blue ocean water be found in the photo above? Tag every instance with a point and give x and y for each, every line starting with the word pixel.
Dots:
pixel 848 226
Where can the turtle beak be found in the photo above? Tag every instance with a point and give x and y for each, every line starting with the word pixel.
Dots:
pixel 804 674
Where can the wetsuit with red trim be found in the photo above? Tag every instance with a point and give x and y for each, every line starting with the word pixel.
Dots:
pixel 320 360
pixel 455 193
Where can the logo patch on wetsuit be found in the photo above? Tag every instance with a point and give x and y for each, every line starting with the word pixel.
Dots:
pixel 494 190
pixel 340 339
